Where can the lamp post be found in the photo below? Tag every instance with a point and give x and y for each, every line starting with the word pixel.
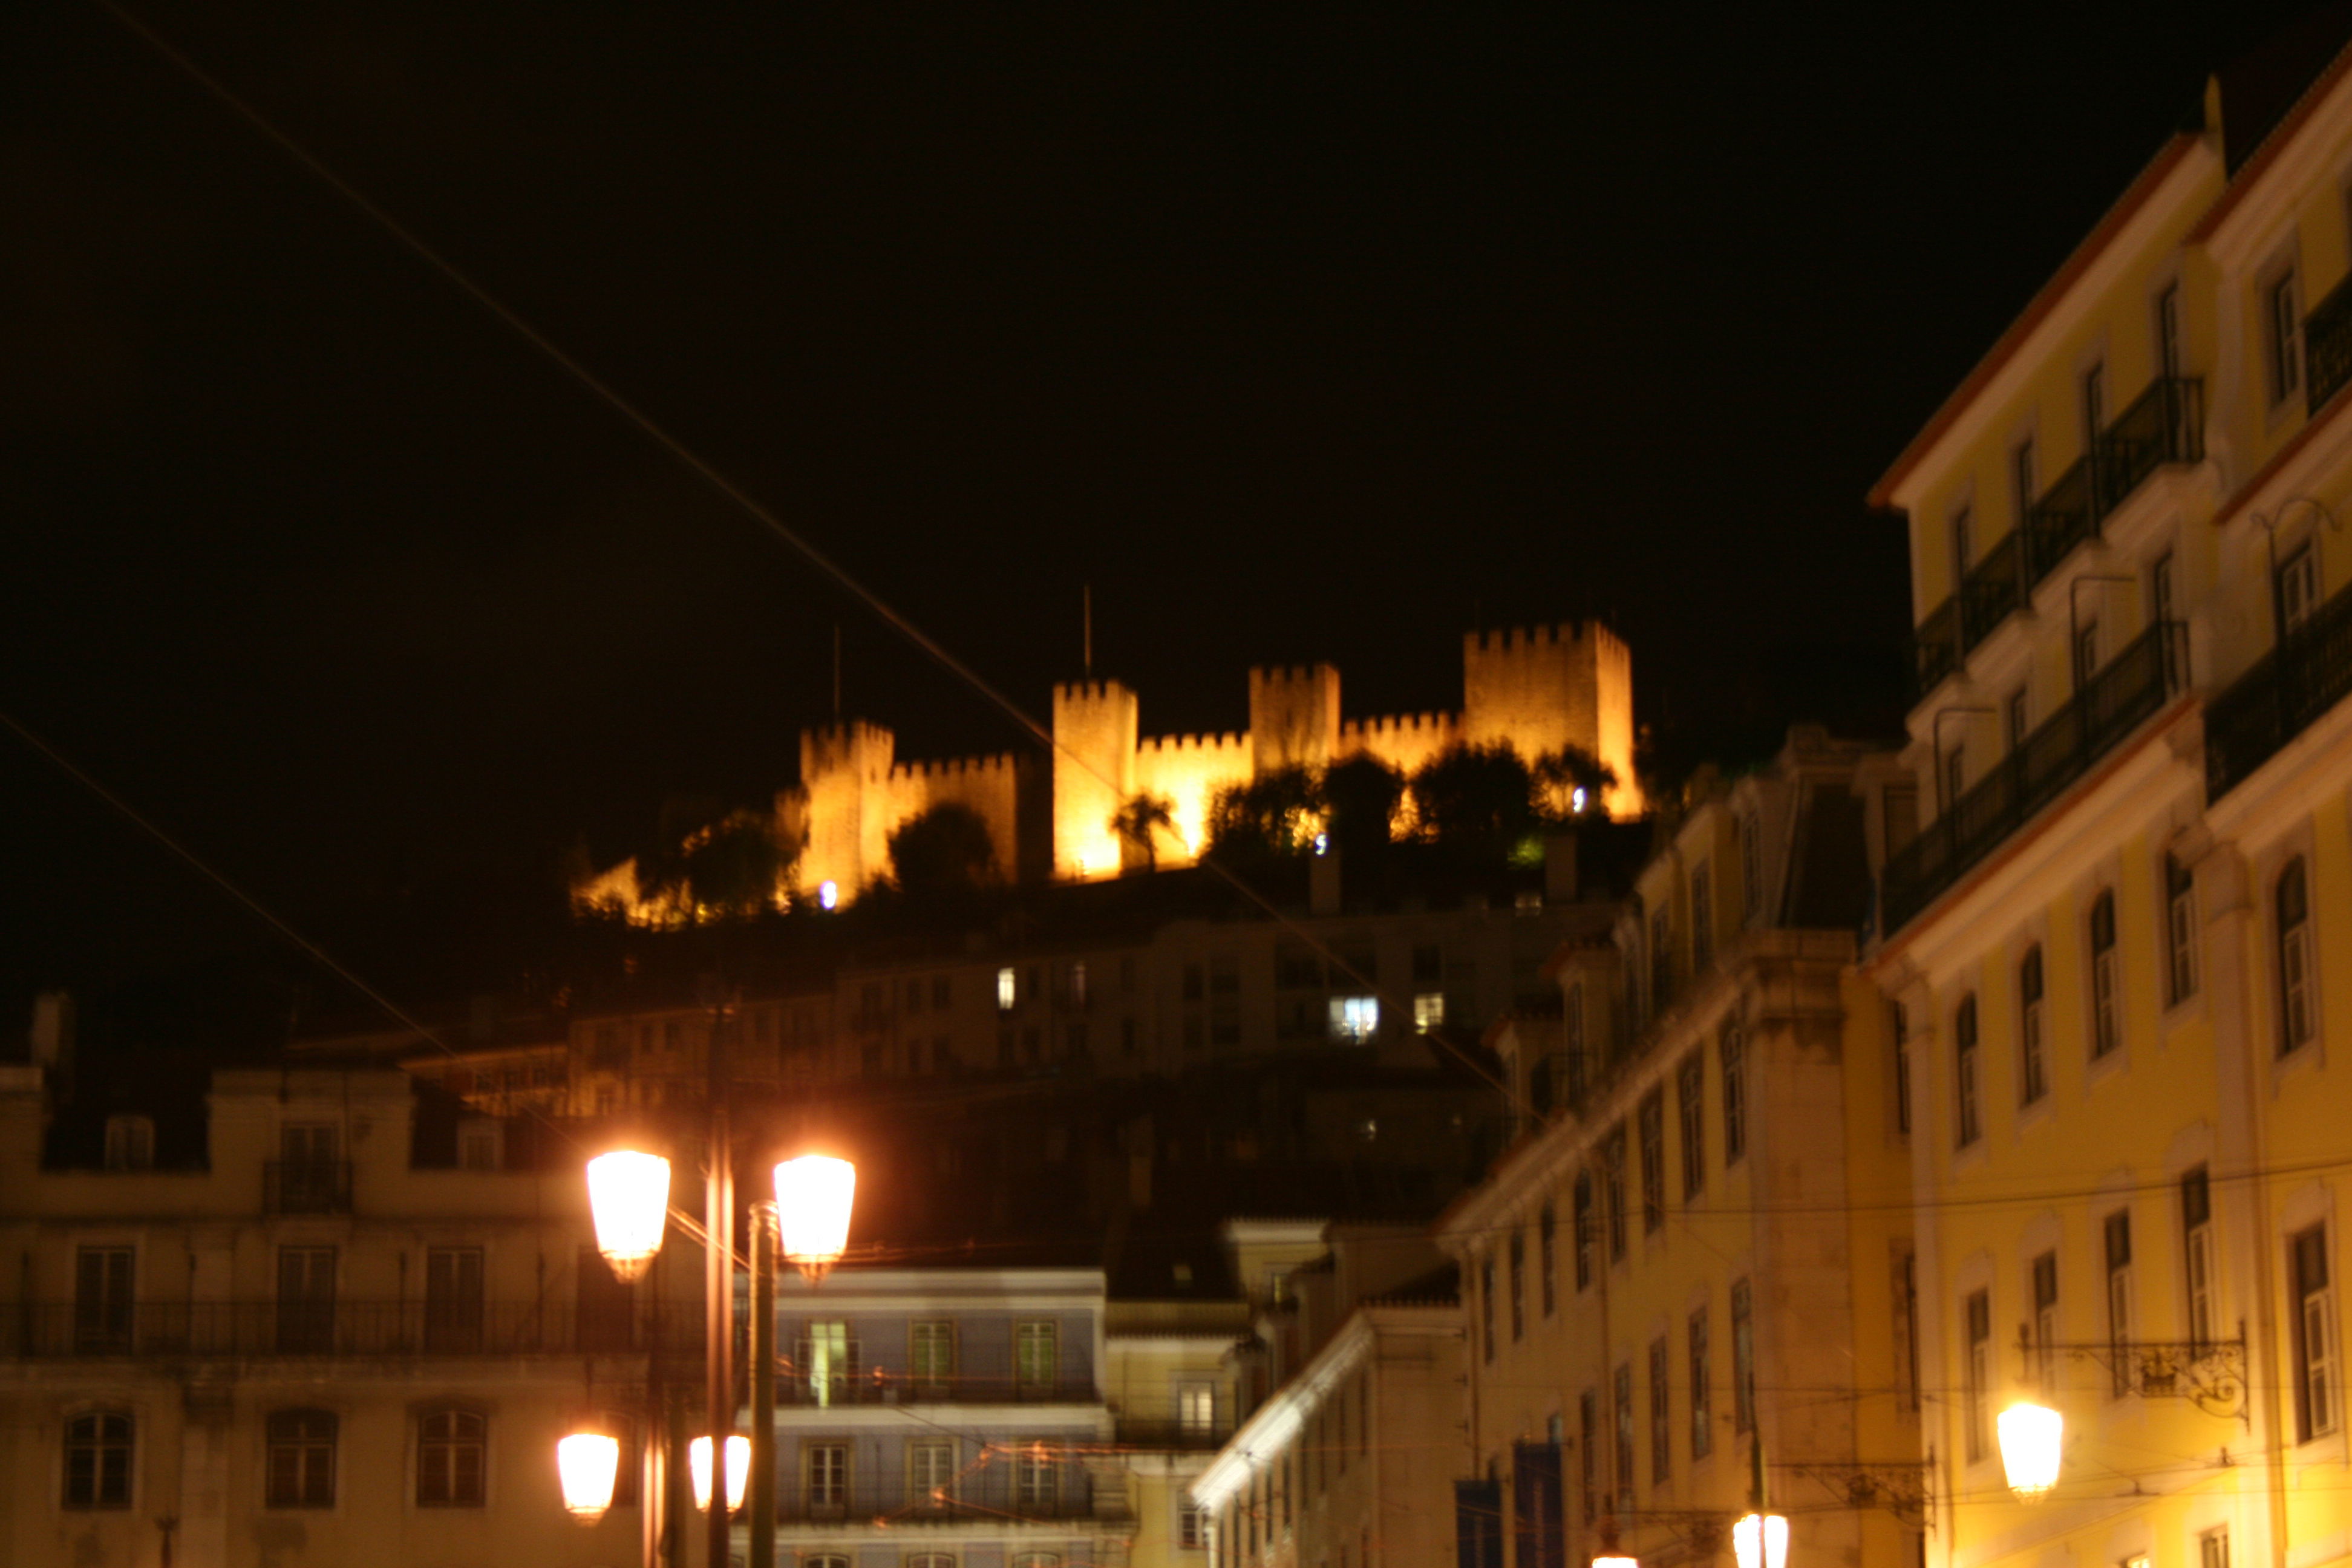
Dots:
pixel 808 1222
pixel 2031 1437
pixel 1760 1539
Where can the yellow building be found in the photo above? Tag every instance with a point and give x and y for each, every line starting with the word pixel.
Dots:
pixel 1701 1242
pixel 2118 940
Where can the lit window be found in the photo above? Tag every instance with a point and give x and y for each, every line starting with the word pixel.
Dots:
pixel 1429 1011
pixel 1008 990
pixel 1355 1019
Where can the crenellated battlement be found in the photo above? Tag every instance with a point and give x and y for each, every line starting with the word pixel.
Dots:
pixel 941 770
pixel 1089 692
pixel 1158 746
pixel 1398 727
pixel 1510 639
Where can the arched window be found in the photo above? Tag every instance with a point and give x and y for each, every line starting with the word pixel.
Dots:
pixel 301 1459
pixel 2032 1074
pixel 1968 1124
pixel 450 1452
pixel 97 1459
pixel 2107 1020
pixel 2293 902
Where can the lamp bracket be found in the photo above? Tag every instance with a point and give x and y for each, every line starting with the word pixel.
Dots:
pixel 1704 1530
pixel 2211 1373
pixel 1899 1486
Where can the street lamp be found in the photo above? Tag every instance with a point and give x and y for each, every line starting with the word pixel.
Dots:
pixel 628 1194
pixel 1761 1541
pixel 2029 1439
pixel 739 1470
pixel 587 1463
pixel 814 1194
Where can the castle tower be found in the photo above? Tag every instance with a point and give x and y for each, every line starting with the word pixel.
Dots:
pixel 1545 687
pixel 1094 774
pixel 845 772
pixel 1294 717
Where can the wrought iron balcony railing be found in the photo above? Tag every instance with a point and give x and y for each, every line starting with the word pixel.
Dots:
pixel 2108 707
pixel 2284 692
pixel 869 1506
pixel 2327 345
pixel 1172 1434
pixel 305 1187
pixel 2165 424
pixel 877 1386
pixel 308 1327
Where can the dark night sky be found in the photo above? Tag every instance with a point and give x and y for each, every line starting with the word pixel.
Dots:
pixel 1299 334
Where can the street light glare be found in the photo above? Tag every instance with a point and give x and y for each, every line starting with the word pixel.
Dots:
pixel 1761 1540
pixel 587 1463
pixel 2031 1436
pixel 739 1470
pixel 814 1194
pixel 628 1194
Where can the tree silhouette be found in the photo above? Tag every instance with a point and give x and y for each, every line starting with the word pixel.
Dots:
pixel 945 851
pixel 1276 813
pixel 732 867
pixel 1137 823
pixel 1360 796
pixel 1572 768
pixel 1480 798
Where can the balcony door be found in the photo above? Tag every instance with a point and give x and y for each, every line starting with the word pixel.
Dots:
pixel 306 1300
pixel 102 1286
pixel 453 1301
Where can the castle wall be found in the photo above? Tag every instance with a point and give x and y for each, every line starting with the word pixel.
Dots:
pixel 1294 717
pixel 1403 741
pixel 1189 771
pixel 1542 687
pixel 984 786
pixel 845 773
pixel 1094 774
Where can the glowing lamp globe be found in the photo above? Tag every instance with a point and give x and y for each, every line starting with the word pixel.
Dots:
pixel 739 1470
pixel 2031 1436
pixel 628 1195
pixel 1761 1540
pixel 1616 1560
pixel 814 1194
pixel 586 1463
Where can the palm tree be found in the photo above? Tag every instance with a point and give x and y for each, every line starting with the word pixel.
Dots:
pixel 1136 823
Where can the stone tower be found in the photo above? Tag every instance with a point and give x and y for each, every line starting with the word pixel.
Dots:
pixel 1542 688
pixel 845 772
pixel 1094 774
pixel 1294 717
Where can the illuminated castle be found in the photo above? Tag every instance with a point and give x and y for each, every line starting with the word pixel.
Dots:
pixel 1536 690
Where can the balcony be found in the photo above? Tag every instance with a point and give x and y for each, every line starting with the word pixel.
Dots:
pixel 2284 694
pixel 2327 345
pixel 2164 425
pixel 881 1387
pixel 238 1330
pixel 2112 704
pixel 305 1187
pixel 1171 1434
pixel 869 1506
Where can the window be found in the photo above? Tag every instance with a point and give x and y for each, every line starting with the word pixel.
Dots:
pixel 1624 1392
pixel 301 1459
pixel 2033 1074
pixel 453 1301
pixel 102 1286
pixel 306 1300
pixel 2020 478
pixel 2117 1234
pixel 825 1474
pixel 1743 1359
pixel 930 1470
pixel 1966 1123
pixel 2106 1021
pixel 1751 868
pixel 1486 1306
pixel 1038 1559
pixel 2168 363
pixel 1899 809
pixel 1978 1314
pixel 1702 914
pixel 2086 653
pixel 1735 1098
pixel 2197 1253
pixel 1008 990
pixel 1898 1031
pixel 1963 551
pixel 478 1145
pixel 2315 1334
pixel 1701 1390
pixel 1196 1408
pixel 1906 1338
pixel 2045 1322
pixel 1588 1450
pixel 1572 1030
pixel 2214 1548
pixel 97 1459
pixel 2282 336
pixel 920 1560
pixel 1428 1011
pixel 2297 588
pixel 450 1447
pixel 1662 958
pixel 1037 1353
pixel 1547 1259
pixel 930 1352
pixel 1581 1218
pixel 1519 1286
pixel 2179 931
pixel 2094 405
pixel 1662 1421
pixel 825 1560
pixel 1653 1119
pixel 1192 1525
pixel 1355 1020
pixel 1612 1190
pixel 828 1361
pixel 1690 1107
pixel 130 1143
pixel 1037 1477
pixel 2293 904
pixel 1956 773
pixel 2018 718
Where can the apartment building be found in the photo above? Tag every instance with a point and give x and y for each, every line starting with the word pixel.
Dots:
pixel 2117 939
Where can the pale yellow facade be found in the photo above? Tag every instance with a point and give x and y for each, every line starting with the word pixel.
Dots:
pixel 2118 944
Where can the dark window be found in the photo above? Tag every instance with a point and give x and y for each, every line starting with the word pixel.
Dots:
pixel 1735 1097
pixel 2117 1236
pixel 1967 1124
pixel 1487 1307
pixel 102 1286
pixel 2293 904
pixel 97 1459
pixel 2315 1334
pixel 1612 1190
pixel 1624 1392
pixel 2107 982
pixel 1662 1420
pixel 2179 931
pixel 606 1308
pixel 1690 1106
pixel 1979 1317
pixel 1702 1389
pixel 1743 1358
pixel 1581 1218
pixel 450 1446
pixel 1898 1025
pixel 1519 1286
pixel 2032 1075
pixel 306 1300
pixel 1547 1259
pixel 2197 1253
pixel 301 1459
pixel 2282 335
pixel 1588 1419
pixel 453 1301
pixel 1702 914
pixel 2045 1320
pixel 1653 1116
